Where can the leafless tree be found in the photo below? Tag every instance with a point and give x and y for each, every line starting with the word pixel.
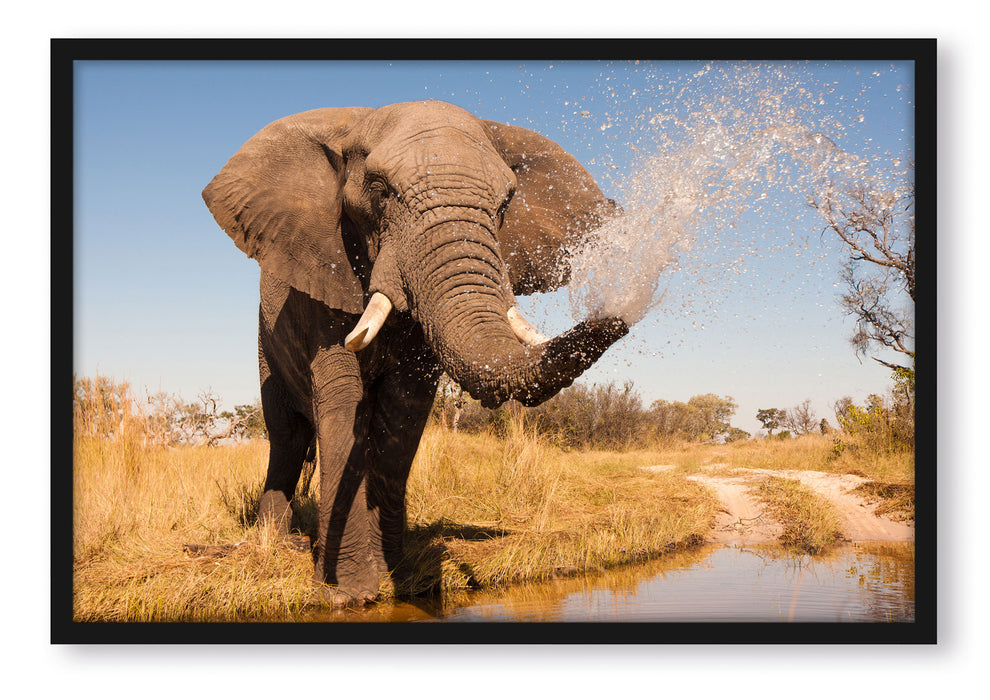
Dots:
pixel 801 419
pixel 245 422
pixel 170 421
pixel 163 418
pixel 875 221
pixel 841 408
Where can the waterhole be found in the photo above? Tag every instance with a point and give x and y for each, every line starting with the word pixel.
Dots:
pixel 861 582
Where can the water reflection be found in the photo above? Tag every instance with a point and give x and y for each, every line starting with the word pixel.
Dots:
pixel 857 583
pixel 862 582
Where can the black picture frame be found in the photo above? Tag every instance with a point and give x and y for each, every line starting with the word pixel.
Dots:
pixel 66 51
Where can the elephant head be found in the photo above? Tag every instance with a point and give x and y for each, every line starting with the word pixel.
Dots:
pixel 422 208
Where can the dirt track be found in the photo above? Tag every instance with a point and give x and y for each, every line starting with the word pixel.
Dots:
pixel 744 519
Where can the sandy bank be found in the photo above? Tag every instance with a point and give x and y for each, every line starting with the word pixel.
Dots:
pixel 744 519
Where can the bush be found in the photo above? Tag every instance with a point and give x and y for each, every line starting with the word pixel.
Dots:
pixel 604 417
pixel 600 416
pixel 884 425
pixel 105 408
pixel 704 418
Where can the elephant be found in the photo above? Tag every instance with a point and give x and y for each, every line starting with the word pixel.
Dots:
pixel 391 243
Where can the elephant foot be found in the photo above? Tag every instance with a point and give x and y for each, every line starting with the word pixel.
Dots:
pixel 344 598
pixel 348 583
pixel 274 511
pixel 299 543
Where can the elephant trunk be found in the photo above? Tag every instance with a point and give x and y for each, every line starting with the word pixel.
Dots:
pixel 466 310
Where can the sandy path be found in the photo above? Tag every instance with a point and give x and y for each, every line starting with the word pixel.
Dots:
pixel 743 519
pixel 858 520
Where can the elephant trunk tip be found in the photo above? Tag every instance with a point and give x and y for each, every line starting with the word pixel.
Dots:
pixel 567 356
pixel 557 363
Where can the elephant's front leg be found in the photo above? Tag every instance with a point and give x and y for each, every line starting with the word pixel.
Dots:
pixel 341 407
pixel 404 398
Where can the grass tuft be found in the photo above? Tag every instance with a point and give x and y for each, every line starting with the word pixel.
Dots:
pixel 896 501
pixel 810 522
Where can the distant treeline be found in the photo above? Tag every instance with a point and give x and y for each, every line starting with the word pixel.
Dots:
pixel 613 417
pixel 106 408
pixel 598 416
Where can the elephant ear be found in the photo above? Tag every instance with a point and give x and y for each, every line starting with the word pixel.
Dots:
pixel 556 204
pixel 279 198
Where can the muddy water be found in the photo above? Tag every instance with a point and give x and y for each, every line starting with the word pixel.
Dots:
pixel 862 582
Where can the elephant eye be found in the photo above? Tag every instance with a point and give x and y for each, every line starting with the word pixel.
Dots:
pixel 504 207
pixel 500 214
pixel 379 192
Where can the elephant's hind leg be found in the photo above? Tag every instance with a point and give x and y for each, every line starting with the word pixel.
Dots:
pixel 290 435
pixel 403 401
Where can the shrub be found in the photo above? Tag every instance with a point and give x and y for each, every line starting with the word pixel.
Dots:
pixel 883 425
pixel 704 418
pixel 106 409
pixel 604 417
pixel 598 416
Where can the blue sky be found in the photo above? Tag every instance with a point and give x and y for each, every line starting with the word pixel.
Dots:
pixel 165 301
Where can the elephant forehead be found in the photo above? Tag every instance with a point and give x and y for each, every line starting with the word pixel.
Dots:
pixel 441 159
pixel 423 113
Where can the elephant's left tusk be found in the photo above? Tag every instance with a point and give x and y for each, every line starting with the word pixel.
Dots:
pixel 523 330
pixel 370 323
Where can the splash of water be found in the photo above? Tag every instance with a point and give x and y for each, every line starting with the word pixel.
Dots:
pixel 743 139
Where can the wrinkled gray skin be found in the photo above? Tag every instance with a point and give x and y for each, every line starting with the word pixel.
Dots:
pixel 448 216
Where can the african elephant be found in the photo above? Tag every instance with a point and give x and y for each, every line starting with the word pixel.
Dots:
pixel 391 242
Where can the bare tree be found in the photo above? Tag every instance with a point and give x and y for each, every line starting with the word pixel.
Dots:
pixel 875 221
pixel 843 409
pixel 163 417
pixel 172 422
pixel 801 419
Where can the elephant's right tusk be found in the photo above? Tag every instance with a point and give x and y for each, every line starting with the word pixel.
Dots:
pixel 523 330
pixel 370 323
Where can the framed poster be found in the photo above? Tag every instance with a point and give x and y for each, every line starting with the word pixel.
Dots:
pixel 563 341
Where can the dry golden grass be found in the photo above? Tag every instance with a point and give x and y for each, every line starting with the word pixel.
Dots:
pixel 810 522
pixel 135 508
pixel 896 501
pixel 818 453
pixel 891 474
pixel 491 512
pixel 483 512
